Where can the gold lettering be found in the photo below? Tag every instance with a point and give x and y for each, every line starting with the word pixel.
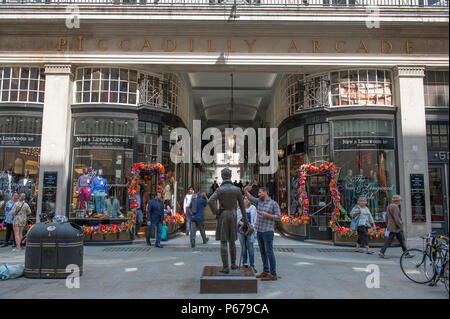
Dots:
pixel 191 48
pixel 250 45
pixel 166 45
pixel 292 46
pixel 316 46
pixel 98 44
pixel 383 46
pixel 146 44
pixel 209 47
pixel 338 49
pixel 61 43
pixel 80 44
pixel 362 45
pixel 120 45
pixel 408 46
pixel 229 46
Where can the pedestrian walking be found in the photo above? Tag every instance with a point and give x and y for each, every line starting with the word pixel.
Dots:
pixel 155 216
pixel 8 221
pixel 268 212
pixel 20 213
pixel 271 187
pixel 186 203
pixel 139 211
pixel 247 242
pixel 394 225
pixel 195 210
pixel 365 222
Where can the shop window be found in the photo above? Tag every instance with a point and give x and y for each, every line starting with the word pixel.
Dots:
pixel 318 142
pixel 437 135
pixel 160 91
pixel 147 142
pixel 436 88
pixel 103 144
pixel 106 85
pixel 20 141
pixel 22 84
pixel 364 150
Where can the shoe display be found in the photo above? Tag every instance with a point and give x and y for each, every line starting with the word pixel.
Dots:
pixel 261 275
pixel 269 277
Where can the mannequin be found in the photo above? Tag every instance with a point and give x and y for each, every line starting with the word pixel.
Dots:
pixel 7 180
pixel 99 190
pixel 26 186
pixel 112 206
pixel 374 192
pixel 83 188
pixel 349 190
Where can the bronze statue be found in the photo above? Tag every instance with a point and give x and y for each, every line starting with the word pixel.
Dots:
pixel 226 230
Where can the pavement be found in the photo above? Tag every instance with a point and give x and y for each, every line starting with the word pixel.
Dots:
pixel 306 270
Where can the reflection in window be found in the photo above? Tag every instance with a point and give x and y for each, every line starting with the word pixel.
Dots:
pixel 436 88
pixel 437 135
pixel 22 84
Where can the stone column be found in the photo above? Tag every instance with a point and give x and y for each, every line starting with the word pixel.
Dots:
pixel 56 133
pixel 412 143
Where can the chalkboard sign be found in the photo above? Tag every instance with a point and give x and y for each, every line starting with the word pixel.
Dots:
pixel 418 198
pixel 49 192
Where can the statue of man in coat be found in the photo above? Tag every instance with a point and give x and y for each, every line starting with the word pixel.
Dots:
pixel 226 232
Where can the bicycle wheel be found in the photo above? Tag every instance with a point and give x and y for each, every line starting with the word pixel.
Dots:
pixel 419 267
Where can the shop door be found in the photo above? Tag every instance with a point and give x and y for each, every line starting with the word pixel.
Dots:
pixel 438 199
pixel 319 207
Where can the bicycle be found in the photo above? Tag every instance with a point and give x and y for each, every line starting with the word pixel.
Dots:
pixel 428 265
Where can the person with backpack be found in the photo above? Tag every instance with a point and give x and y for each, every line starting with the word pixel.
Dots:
pixel 195 210
pixel 365 221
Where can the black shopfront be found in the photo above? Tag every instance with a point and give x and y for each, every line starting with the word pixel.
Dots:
pixel 360 141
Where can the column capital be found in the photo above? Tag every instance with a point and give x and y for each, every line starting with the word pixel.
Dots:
pixel 56 69
pixel 409 71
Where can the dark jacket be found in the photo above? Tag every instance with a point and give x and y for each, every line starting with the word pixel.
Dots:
pixel 255 190
pixel 200 204
pixel 155 211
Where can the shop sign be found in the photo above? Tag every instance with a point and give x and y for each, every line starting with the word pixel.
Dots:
pixel 98 141
pixel 20 140
pixel 417 198
pixel 49 192
pixel 438 156
pixel 352 143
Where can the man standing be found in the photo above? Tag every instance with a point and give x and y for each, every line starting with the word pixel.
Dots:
pixel 271 187
pixel 8 219
pixel 226 231
pixel 186 203
pixel 155 216
pixel 394 225
pixel 214 186
pixel 268 213
pixel 197 218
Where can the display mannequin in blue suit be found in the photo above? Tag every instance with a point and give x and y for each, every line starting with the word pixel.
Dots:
pixel 99 190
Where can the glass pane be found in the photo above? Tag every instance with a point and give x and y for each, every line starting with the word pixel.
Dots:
pixel 435 129
pixel 124 74
pixel 443 129
pixel 325 128
pixel 96 74
pixel 123 98
pixel 25 73
pixel 133 76
pixel 114 86
pixel 41 85
pixel 34 85
pixel 87 74
pixel 114 74
pixel 41 97
pixel 132 98
pixel 6 84
pixel 34 73
pixel 33 96
pixel 310 129
pixel 123 86
pixel 23 96
pixel 86 85
pixel 317 129
pixel 444 140
pixel 380 75
pixel 13 96
pixel 95 97
pixel 372 75
pixel 14 84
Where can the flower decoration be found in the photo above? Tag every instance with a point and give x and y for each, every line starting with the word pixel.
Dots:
pixel 143 171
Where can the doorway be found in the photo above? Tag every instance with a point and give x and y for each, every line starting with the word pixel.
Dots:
pixel 438 198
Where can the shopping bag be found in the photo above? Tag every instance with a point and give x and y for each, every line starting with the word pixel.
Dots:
pixel 354 223
pixel 11 271
pixel 164 233
pixel 386 233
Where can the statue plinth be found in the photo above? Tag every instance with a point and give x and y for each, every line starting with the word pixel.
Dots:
pixel 237 281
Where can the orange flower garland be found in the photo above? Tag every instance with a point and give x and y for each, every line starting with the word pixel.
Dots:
pixel 138 168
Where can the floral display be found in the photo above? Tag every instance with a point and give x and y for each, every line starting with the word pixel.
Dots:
pixel 177 218
pixel 107 229
pixel 142 171
pixel 346 232
pixel 295 221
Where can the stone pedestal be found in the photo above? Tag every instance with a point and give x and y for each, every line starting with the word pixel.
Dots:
pixel 241 280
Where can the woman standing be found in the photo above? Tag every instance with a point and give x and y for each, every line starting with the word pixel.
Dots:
pixel 365 222
pixel 19 213
pixel 247 242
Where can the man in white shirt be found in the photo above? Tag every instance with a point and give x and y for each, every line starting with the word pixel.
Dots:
pixel 186 203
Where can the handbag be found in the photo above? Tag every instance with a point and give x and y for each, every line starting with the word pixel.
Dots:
pixel 354 223
pixel 164 233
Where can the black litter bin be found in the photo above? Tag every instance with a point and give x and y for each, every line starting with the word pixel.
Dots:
pixel 51 248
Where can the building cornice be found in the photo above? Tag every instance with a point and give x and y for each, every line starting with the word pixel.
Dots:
pixel 58 69
pixel 409 71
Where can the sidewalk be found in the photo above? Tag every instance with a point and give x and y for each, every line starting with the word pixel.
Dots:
pixel 307 270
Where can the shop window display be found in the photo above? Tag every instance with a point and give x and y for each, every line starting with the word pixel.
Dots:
pixel 20 139
pixel 364 150
pixel 102 157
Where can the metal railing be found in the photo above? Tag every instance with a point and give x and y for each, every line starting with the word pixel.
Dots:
pixel 241 3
